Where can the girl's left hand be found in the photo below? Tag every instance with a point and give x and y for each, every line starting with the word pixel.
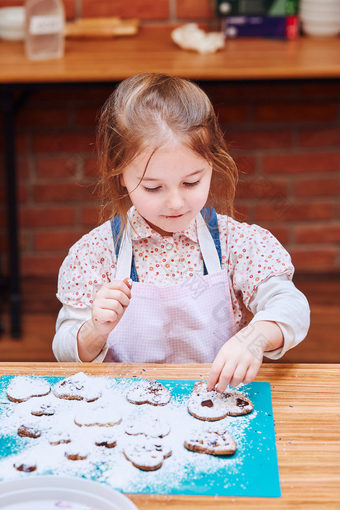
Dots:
pixel 240 358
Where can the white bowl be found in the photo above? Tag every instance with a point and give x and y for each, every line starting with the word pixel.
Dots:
pixel 41 492
pixel 12 23
pixel 320 13
pixel 319 3
pixel 315 28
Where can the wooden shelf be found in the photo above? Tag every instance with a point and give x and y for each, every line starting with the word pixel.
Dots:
pixel 153 51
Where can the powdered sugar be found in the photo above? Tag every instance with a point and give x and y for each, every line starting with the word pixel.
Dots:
pixel 60 436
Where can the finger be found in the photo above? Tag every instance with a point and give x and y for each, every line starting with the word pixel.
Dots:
pixel 108 295
pixel 239 375
pixel 214 372
pixel 103 316
pixel 226 376
pixel 251 373
pixel 120 285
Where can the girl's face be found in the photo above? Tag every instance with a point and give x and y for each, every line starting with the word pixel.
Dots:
pixel 173 190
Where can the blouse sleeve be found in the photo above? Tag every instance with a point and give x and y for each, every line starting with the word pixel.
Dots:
pixel 89 264
pixel 254 256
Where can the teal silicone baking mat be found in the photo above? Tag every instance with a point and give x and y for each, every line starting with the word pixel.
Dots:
pixel 251 471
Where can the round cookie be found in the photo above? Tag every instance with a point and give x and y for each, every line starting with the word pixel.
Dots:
pixel 77 387
pixel 76 451
pixel 149 391
pixel 213 406
pixel 211 442
pixel 43 409
pixel 60 437
pixel 22 388
pixel 29 430
pixel 150 427
pixel 25 463
pixel 99 416
pixel 106 438
pixel 147 454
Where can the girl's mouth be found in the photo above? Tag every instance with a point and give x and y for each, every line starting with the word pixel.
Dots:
pixel 178 216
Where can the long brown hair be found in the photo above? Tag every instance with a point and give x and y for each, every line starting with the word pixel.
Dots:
pixel 146 110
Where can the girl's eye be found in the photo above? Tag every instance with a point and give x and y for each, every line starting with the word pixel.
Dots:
pixel 152 189
pixel 191 183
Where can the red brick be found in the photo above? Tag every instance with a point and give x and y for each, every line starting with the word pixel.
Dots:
pixel 296 112
pixel 319 137
pixel 91 167
pixel 246 164
pixel 87 117
pixel 70 192
pixel 262 188
pixel 193 9
pixel 322 89
pixel 314 260
pixel 286 210
pixel 241 212
pixel 46 217
pixel 56 167
pixel 302 163
pixel 251 92
pixel 90 217
pixel 76 96
pixel 34 118
pixel 64 142
pixel 317 187
pixel 41 265
pixel 232 113
pixel 260 139
pixel 56 240
pixel 22 168
pixel 143 9
pixel 318 234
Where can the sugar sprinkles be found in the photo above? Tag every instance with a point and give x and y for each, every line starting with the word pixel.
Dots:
pixel 96 451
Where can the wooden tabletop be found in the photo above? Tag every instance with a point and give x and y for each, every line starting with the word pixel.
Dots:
pixel 306 405
pixel 152 50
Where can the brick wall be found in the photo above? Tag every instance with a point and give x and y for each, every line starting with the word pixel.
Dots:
pixel 148 11
pixel 285 137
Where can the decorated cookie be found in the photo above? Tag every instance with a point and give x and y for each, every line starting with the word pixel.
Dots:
pixel 98 416
pixel 149 392
pixel 29 430
pixel 77 387
pixel 212 406
pixel 43 409
pixel 25 465
pixel 106 438
pixel 60 437
pixel 212 442
pixel 150 427
pixel 76 451
pixel 147 454
pixel 22 388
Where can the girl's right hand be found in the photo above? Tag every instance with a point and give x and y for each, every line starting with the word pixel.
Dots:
pixel 109 305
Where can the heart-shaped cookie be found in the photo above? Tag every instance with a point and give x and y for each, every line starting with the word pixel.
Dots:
pixel 22 388
pixel 150 392
pixel 147 454
pixel 212 406
pixel 211 442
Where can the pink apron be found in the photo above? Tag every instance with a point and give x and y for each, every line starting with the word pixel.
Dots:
pixel 182 323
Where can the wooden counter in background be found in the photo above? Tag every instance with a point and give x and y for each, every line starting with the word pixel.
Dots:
pixel 153 51
pixel 306 407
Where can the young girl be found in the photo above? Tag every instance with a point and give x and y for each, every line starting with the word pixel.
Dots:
pixel 167 279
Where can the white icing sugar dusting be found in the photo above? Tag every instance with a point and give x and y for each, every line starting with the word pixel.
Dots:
pixel 61 437
pixel 23 388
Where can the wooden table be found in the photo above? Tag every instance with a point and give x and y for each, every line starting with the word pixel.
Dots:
pixel 306 404
pixel 152 50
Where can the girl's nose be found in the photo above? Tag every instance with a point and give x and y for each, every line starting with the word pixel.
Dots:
pixel 174 201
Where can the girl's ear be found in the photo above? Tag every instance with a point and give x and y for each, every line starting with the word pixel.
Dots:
pixel 122 182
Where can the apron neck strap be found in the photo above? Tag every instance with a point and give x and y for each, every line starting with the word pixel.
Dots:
pixel 208 238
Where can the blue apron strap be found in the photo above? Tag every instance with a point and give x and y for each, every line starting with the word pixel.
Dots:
pixel 115 227
pixel 210 216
